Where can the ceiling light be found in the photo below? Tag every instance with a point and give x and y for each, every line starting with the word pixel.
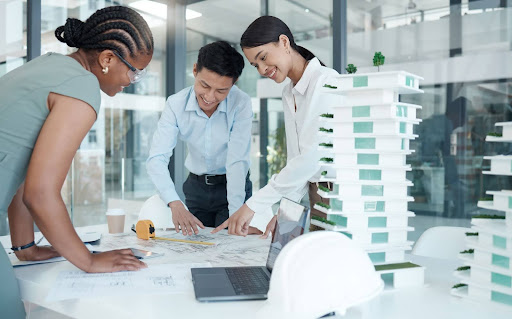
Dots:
pixel 160 10
pixel 411 5
pixel 307 10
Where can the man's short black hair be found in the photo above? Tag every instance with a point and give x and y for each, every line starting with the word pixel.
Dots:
pixel 221 58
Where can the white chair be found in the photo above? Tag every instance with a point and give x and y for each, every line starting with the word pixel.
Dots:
pixel 441 242
pixel 319 273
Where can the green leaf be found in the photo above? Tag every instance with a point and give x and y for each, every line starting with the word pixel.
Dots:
pixel 351 69
pixel 486 216
pixel 323 129
pixel 323 220
pixel 327 206
pixel 495 134
pixel 327 159
pixel 323 188
pixel 458 286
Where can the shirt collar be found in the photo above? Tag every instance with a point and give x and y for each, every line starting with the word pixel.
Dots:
pixel 192 104
pixel 303 83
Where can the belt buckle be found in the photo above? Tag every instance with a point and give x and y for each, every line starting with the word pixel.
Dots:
pixel 206 180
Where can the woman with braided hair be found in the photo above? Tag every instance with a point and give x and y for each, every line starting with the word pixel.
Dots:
pixel 48 105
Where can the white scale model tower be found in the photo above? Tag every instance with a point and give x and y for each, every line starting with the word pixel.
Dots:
pixel 365 143
pixel 487 273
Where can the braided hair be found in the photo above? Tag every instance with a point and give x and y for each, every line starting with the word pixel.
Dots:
pixel 116 28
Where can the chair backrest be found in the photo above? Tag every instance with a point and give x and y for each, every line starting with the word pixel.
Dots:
pixel 157 211
pixel 10 301
pixel 318 273
pixel 441 242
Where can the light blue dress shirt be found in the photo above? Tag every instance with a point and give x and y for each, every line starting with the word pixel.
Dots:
pixel 217 145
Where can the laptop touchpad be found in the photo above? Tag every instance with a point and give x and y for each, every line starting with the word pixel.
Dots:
pixel 213 284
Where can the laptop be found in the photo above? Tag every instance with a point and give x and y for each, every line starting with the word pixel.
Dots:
pixel 251 283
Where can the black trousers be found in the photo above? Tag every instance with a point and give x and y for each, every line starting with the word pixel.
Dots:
pixel 209 203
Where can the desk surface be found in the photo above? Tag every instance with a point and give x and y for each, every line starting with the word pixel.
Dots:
pixel 431 301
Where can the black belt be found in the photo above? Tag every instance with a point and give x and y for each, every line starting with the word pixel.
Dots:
pixel 209 179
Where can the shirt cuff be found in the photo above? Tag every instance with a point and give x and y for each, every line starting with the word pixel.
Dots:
pixel 168 196
pixel 261 220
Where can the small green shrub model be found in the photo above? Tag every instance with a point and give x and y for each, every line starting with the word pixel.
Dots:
pixel 327 115
pixel 458 286
pixel 327 159
pixel 495 134
pixel 378 60
pixel 324 205
pixel 485 216
pixel 330 86
pixel 323 188
pixel 326 130
pixel 463 268
pixel 468 251
pixel 486 199
pixel 326 144
pixel 324 173
pixel 351 69
pixel 471 234
pixel 323 220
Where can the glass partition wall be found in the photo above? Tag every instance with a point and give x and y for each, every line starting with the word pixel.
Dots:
pixel 461 48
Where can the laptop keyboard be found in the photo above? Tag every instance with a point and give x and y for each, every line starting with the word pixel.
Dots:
pixel 248 280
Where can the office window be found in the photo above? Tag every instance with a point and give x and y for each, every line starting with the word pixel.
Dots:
pixel 459 50
pixel 110 164
pixel 13 34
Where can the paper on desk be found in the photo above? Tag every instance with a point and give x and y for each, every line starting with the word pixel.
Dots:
pixel 156 279
pixel 16 262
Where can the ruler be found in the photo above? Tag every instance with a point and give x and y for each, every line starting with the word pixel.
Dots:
pixel 184 241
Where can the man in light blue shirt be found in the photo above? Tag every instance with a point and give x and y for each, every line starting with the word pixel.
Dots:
pixel 214 118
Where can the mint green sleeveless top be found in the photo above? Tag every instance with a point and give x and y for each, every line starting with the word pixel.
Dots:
pixel 23 111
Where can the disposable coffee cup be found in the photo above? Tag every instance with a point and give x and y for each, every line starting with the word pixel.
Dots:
pixel 115 220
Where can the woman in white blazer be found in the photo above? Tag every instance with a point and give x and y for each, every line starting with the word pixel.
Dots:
pixel 270 47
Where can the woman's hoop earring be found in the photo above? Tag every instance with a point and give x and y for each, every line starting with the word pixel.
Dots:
pixel 105 70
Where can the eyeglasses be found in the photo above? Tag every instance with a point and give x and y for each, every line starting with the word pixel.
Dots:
pixel 134 74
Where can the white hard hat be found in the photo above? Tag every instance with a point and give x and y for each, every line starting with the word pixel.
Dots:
pixel 319 273
pixel 157 211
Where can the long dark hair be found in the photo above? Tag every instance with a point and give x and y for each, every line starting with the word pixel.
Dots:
pixel 112 28
pixel 267 29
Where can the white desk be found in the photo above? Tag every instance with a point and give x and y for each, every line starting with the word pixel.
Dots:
pixel 431 301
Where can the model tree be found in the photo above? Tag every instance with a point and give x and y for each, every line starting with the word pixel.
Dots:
pixel 351 69
pixel 378 60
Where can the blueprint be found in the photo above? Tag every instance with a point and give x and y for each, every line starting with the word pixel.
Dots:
pixel 228 250
pixel 156 279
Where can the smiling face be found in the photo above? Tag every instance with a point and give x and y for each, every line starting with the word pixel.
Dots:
pixel 272 60
pixel 116 79
pixel 210 89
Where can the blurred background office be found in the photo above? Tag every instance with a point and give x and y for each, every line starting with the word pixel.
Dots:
pixel 461 47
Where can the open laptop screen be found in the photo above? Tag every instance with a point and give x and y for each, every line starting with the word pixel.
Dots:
pixel 292 221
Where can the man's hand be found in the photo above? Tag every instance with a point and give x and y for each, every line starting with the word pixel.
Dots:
pixel 271 226
pixel 184 219
pixel 238 223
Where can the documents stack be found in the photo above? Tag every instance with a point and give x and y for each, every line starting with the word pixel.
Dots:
pixel 487 271
pixel 365 141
